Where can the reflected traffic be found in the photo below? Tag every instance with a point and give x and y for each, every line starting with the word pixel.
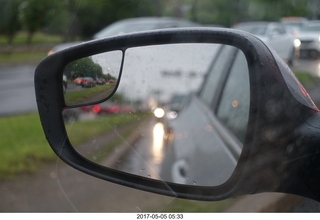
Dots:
pixel 91 79
pixel 161 123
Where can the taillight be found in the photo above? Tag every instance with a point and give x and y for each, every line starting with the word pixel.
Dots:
pixel 96 109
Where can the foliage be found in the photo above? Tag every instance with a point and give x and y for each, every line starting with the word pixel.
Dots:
pixel 272 10
pixel 84 67
pixel 9 23
pixel 219 12
pixel 36 14
pixel 74 18
pixel 229 12
pixel 106 12
pixel 86 95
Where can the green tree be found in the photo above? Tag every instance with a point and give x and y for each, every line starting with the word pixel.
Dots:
pixel 38 14
pixel 274 10
pixel 218 12
pixel 59 19
pixel 9 23
pixel 84 67
pixel 93 15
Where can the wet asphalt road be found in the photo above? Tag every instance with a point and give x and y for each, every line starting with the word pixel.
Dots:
pixel 17 93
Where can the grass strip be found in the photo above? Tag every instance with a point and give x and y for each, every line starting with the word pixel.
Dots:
pixel 23 146
pixel 88 95
pixel 109 148
pixel 22 58
pixel 307 80
pixel 39 37
pixel 80 132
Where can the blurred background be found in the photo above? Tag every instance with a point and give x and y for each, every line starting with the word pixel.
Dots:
pixel 32 179
pixel 29 28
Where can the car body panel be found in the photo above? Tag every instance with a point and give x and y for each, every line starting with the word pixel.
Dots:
pixel 192 144
pixel 309 36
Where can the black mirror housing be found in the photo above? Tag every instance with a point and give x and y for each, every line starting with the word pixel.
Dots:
pixel 280 148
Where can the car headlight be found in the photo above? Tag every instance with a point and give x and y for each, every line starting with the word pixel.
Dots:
pixel 172 114
pixel 50 52
pixel 158 112
pixel 296 43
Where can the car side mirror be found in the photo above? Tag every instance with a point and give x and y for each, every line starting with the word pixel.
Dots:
pixel 243 123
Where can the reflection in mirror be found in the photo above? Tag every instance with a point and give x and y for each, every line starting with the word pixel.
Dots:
pixel 91 79
pixel 156 124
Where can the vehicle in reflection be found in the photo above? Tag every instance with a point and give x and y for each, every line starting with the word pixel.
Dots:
pixel 142 24
pixel 70 115
pixel 88 82
pixel 216 114
pixel 89 71
pixel 100 81
pixel 294 24
pixel 276 35
pixel 64 83
pixel 158 105
pixel 310 40
pixel 110 108
pixel 78 81
pixel 111 81
pixel 62 47
pixel 131 25
pixel 171 112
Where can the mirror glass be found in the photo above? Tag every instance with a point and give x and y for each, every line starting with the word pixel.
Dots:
pixel 91 79
pixel 161 123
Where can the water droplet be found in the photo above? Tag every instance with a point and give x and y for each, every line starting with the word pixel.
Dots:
pixel 290 148
pixel 142 169
pixel 94 157
pixel 149 176
pixel 53 175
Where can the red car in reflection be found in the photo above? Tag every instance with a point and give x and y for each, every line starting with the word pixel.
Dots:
pixel 78 81
pixel 88 82
pixel 110 109
pixel 111 81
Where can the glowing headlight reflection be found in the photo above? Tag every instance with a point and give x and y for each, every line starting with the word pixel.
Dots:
pixel 158 133
pixel 172 114
pixel 297 43
pixel 158 112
